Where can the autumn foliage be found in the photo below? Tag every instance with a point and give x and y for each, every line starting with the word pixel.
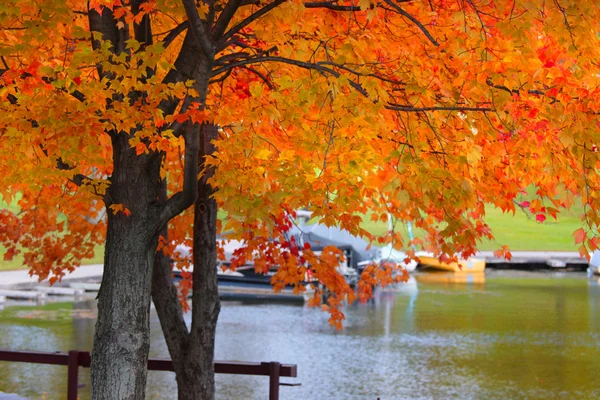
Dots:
pixel 427 111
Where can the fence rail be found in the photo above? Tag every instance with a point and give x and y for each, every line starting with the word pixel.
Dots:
pixel 75 359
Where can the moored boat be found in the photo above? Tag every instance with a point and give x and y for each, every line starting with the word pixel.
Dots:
pixel 475 278
pixel 594 265
pixel 429 262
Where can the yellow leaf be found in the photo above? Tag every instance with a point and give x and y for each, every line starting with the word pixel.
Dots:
pixel 263 154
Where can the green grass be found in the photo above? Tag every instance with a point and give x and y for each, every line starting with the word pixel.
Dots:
pixel 518 232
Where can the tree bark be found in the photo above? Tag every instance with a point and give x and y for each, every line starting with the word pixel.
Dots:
pixel 121 340
pixel 205 296
pixel 122 337
pixel 192 351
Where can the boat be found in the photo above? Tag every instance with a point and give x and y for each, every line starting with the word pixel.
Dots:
pixel 357 251
pixel 245 282
pixel 451 278
pixel 428 261
pixel 594 264
pixel 387 254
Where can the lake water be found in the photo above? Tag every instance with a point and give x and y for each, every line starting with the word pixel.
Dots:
pixel 511 337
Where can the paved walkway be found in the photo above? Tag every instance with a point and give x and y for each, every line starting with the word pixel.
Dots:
pixel 9 396
pixel 21 277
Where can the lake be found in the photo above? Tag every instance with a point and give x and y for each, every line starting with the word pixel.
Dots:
pixel 510 337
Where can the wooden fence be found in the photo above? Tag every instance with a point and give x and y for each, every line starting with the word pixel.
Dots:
pixel 75 359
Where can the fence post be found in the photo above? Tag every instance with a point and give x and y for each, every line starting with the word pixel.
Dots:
pixel 274 370
pixel 73 375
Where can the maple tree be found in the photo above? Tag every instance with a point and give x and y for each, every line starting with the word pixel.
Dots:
pixel 425 111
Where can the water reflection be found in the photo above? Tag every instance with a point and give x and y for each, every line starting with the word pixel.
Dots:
pixel 512 337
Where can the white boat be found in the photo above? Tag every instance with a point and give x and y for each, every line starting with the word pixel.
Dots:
pixel 389 254
pixel 594 265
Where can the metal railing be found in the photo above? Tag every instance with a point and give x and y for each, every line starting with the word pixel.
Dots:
pixel 75 359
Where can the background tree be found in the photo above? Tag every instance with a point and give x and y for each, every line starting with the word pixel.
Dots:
pixel 423 110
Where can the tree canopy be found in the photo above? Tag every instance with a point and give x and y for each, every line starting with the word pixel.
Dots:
pixel 425 111
pixel 118 115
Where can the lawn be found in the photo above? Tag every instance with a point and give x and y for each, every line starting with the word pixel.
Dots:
pixel 519 232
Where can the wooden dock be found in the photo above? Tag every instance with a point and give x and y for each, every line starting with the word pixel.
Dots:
pixel 537 260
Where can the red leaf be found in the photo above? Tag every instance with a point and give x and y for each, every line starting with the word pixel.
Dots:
pixel 293 246
pixel 540 218
pixel 579 235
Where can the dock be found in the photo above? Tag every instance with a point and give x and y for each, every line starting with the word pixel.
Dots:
pixel 18 285
pixel 568 261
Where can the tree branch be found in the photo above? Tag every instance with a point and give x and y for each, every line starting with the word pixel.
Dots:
pixel 172 35
pixel 248 20
pixel 106 24
pixel 225 18
pixel 302 64
pixel 408 108
pixel 143 30
pixel 261 76
pixel 164 295
pixel 231 57
pixel 331 5
pixel 185 198
pixel 514 91
pixel 415 21
pixel 197 27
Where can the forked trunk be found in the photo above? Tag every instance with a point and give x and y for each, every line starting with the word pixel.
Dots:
pixel 192 351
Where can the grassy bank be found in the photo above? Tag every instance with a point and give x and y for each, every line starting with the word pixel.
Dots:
pixel 518 232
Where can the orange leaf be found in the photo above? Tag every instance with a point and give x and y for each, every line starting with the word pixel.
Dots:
pixel 579 235
pixel 140 148
pixel 583 252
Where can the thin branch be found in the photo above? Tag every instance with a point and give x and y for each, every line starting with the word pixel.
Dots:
pixel 355 72
pixel 302 64
pixel 331 5
pixel 225 18
pixel 415 21
pixel 5 64
pixel 167 40
pixel 84 180
pixel 566 21
pixel 261 76
pixel 248 20
pixel 186 197
pixel 231 57
pixel 408 108
pixel 222 78
pixel 197 27
pixel 513 91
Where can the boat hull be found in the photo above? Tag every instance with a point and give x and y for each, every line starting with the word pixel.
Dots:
pixel 451 278
pixel 469 265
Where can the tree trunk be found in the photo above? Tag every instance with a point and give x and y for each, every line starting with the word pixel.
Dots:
pixel 121 340
pixel 192 351
pixel 205 296
pixel 122 337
